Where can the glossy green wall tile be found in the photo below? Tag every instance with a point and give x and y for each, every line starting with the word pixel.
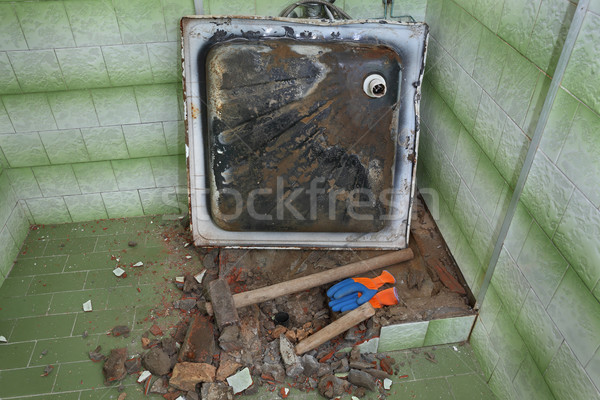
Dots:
pixel 581 77
pixel 23 149
pixel 45 25
pixel 550 260
pixel 86 207
pixel 83 67
pixel 93 22
pixel 64 147
pixel 567 379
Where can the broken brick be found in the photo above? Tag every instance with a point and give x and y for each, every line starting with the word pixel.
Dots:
pixel 155 330
pixel 187 375
pixel 114 367
pixel 199 343
pixel 226 369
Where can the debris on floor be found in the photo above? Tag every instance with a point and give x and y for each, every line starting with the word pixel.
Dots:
pixel 95 355
pixel 120 330
pixel 3 339
pixel 87 306
pixel 189 352
pixel 47 370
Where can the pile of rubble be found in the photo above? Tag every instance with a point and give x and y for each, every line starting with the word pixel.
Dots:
pixel 216 358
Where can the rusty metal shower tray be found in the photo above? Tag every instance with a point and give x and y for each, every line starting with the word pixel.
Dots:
pixel 301 133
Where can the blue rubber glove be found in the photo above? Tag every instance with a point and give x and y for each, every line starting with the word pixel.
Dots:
pixel 351 287
pixel 346 303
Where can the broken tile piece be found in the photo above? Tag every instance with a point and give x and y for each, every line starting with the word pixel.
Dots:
pixel 138 264
pixel 47 370
pixel 143 376
pixel 387 384
pixel 180 279
pixel 240 381
pixel 118 271
pixel 369 346
pixel 3 339
pixel 200 276
pixel 87 306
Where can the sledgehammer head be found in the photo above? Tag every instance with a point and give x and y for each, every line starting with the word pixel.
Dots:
pixel 222 303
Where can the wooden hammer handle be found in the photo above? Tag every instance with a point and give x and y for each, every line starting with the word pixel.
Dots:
pixel 321 278
pixel 338 326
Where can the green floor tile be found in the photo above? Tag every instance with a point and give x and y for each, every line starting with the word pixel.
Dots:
pixel 149 256
pixel 6 328
pixel 63 350
pixel 469 386
pixel 15 287
pixel 53 326
pixel 73 301
pixel 57 283
pixel 33 248
pixel 15 355
pixel 38 266
pixel 78 376
pixel 427 389
pixel 99 393
pixel 105 278
pixel 88 261
pixel 467 356
pixel 101 321
pixel 157 273
pixel 118 242
pixel 126 297
pixel 447 363
pixel 70 246
pixel 26 382
pixel 133 343
pixel 28 306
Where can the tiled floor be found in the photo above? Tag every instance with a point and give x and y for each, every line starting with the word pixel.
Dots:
pixel 62 266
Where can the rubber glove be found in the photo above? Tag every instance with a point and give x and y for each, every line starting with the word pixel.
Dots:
pixel 387 297
pixel 367 287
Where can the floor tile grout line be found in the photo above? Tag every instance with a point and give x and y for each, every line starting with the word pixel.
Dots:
pixel 31 355
pixel 55 377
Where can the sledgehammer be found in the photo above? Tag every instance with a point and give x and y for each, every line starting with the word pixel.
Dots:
pixel 321 278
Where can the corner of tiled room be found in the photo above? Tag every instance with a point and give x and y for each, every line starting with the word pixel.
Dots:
pixel 91 132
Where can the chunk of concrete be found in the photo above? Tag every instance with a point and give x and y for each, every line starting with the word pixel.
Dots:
pixel 216 391
pixel 222 302
pixel 157 361
pixel 114 367
pixel 362 379
pixel 293 364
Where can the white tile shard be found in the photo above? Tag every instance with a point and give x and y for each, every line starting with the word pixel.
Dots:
pixel 138 264
pixel 387 384
pixel 118 271
pixel 87 306
pixel 3 339
pixel 240 381
pixel 199 276
pixel 143 376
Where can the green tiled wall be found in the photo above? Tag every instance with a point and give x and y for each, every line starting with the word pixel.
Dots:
pixel 91 122
pixel 488 71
